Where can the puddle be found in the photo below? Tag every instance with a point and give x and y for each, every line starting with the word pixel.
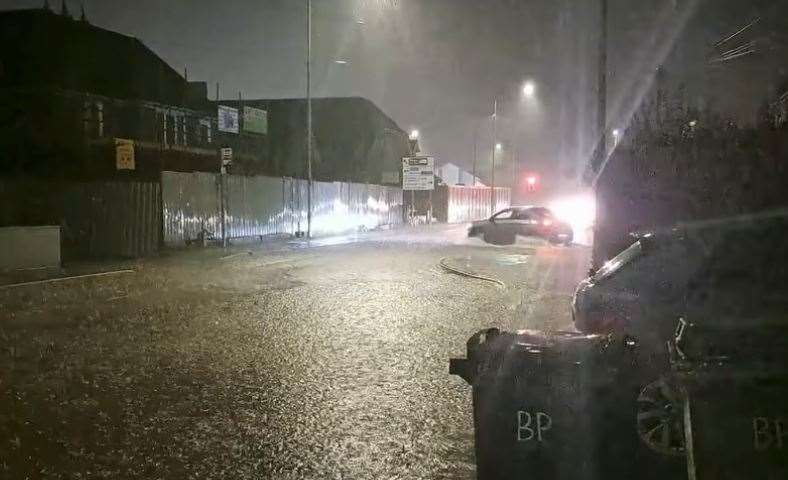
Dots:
pixel 511 260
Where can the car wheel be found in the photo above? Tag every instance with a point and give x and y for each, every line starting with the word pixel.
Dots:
pixel 660 418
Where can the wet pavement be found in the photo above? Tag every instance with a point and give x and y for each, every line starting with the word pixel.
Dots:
pixel 320 360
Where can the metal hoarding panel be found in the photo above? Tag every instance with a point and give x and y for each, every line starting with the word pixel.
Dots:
pixel 255 206
pixel 466 204
pixel 97 219
pixel 190 207
pixel 260 206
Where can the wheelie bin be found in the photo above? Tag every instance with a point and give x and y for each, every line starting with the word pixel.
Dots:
pixel 557 406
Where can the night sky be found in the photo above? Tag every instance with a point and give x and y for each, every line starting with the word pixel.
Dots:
pixel 435 65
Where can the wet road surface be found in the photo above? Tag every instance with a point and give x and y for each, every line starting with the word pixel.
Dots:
pixel 326 361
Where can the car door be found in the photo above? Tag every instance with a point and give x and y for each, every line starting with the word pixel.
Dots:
pixel 527 223
pixel 503 223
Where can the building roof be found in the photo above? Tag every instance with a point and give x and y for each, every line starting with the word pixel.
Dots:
pixel 353 138
pixel 39 48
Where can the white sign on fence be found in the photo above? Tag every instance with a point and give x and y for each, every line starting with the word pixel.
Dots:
pixel 227 156
pixel 418 173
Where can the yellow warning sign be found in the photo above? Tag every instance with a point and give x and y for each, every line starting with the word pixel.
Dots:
pixel 124 154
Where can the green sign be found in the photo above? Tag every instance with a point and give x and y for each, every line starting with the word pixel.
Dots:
pixel 255 120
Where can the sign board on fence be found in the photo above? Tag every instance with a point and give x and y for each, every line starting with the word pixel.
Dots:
pixel 227 119
pixel 124 154
pixel 418 173
pixel 227 156
pixel 255 120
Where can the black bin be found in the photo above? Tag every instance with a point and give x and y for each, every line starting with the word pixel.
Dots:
pixel 556 406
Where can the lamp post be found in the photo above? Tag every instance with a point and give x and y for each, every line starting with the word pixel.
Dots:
pixel 496 146
pixel 309 139
pixel 309 119
pixel 528 92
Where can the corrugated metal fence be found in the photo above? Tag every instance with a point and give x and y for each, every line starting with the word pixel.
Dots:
pixel 190 207
pixel 122 218
pixel 97 219
pixel 133 219
pixel 259 206
pixel 455 204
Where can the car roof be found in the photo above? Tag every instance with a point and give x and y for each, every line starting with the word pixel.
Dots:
pixel 715 226
pixel 529 207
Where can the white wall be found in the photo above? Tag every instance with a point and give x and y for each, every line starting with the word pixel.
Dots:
pixel 29 247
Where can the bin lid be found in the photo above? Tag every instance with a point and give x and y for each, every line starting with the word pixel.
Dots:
pixel 529 352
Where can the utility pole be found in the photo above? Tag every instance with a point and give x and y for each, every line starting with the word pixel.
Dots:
pixel 475 148
pixel 602 86
pixel 309 118
pixel 494 144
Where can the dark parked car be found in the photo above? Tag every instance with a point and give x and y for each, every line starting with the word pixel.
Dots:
pixel 715 267
pixel 722 401
pixel 504 227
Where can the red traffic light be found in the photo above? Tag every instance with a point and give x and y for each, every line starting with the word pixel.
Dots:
pixel 532 182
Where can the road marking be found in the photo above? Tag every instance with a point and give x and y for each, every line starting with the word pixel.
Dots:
pixel 62 279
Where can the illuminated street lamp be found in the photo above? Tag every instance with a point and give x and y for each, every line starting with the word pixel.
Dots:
pixel 414 135
pixel 528 92
pixel 529 89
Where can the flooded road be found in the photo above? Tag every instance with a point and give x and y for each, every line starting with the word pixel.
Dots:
pixel 320 361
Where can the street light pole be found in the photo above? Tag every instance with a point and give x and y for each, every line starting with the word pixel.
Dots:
pixel 309 118
pixel 494 144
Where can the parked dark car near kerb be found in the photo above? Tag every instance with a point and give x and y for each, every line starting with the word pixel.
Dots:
pixel 722 403
pixel 505 226
pixel 721 267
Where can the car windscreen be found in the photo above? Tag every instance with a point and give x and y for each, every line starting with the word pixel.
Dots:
pixel 616 263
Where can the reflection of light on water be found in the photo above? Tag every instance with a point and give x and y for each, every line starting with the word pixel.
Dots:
pixel 579 211
pixel 337 217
